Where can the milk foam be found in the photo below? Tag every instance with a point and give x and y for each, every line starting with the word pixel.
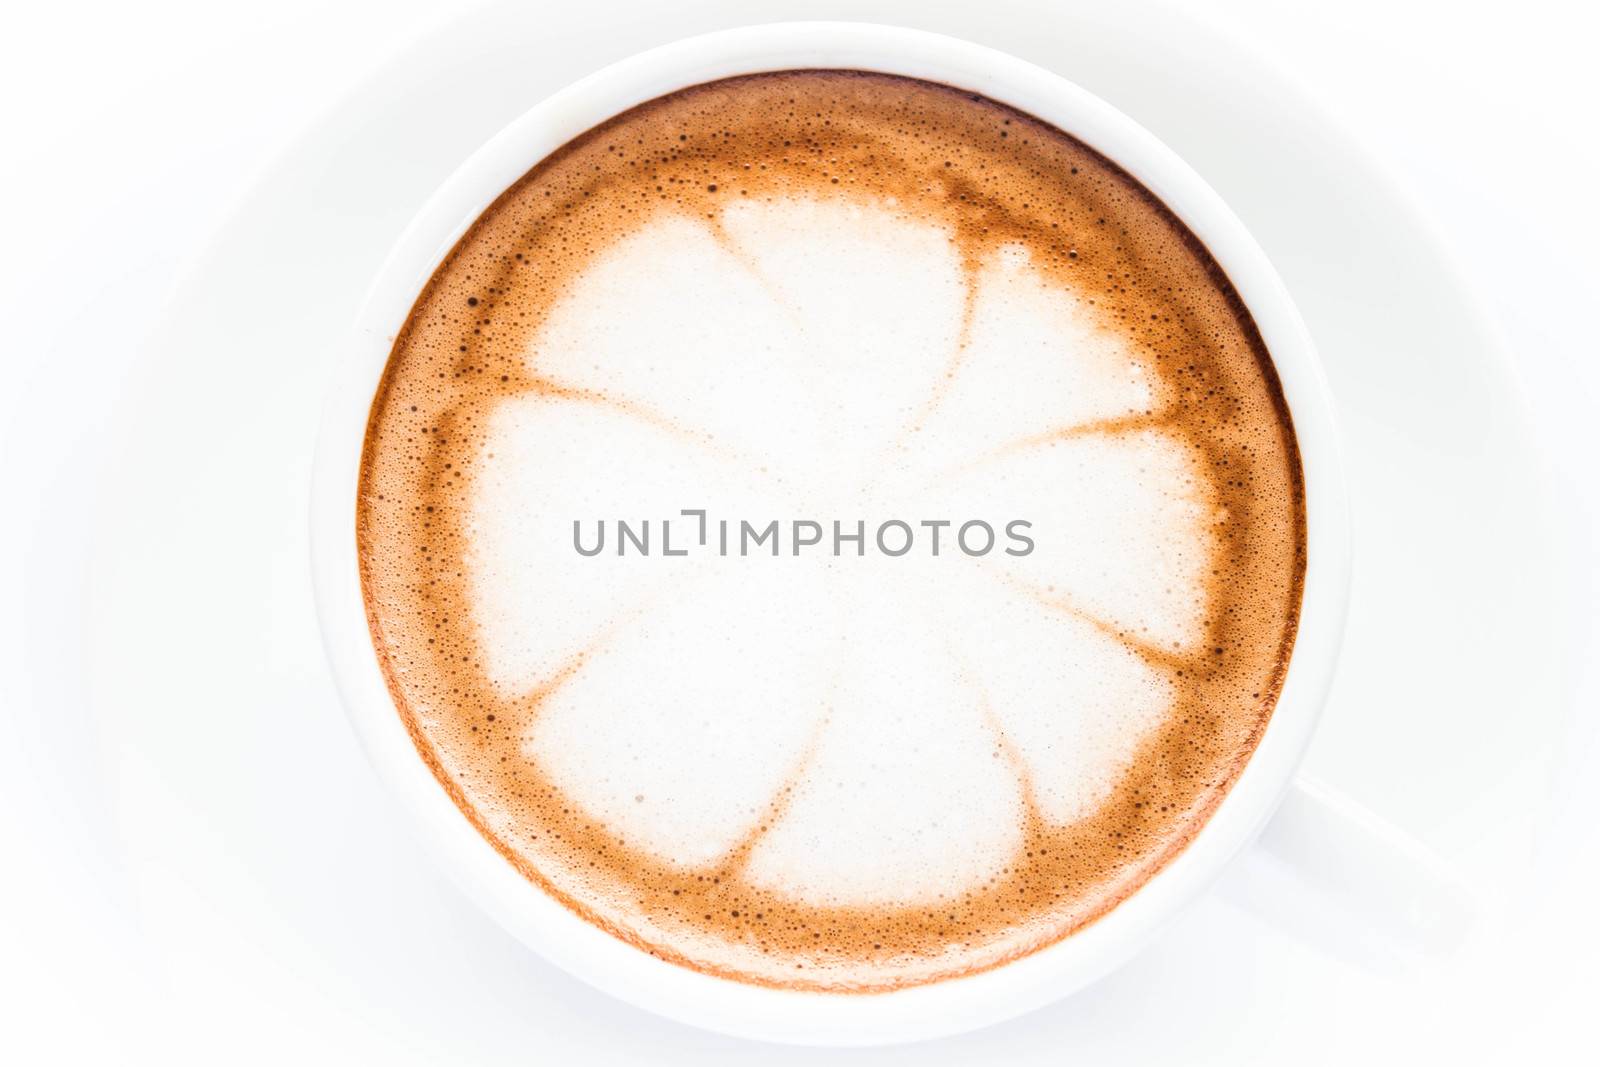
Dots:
pixel 835 298
pixel 811 358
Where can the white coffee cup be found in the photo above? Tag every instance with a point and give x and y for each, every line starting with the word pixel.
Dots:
pixel 726 1005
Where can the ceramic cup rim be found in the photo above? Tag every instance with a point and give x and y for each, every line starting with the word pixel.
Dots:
pixel 725 1005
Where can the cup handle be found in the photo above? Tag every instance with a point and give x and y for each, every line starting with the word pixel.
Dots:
pixel 1331 872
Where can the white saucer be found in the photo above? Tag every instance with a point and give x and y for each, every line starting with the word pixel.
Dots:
pixel 281 896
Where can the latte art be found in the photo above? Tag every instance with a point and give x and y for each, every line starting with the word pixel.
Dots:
pixel 832 530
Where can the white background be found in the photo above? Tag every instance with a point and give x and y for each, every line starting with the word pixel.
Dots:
pixel 130 133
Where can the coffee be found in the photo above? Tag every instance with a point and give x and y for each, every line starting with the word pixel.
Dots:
pixel 832 530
